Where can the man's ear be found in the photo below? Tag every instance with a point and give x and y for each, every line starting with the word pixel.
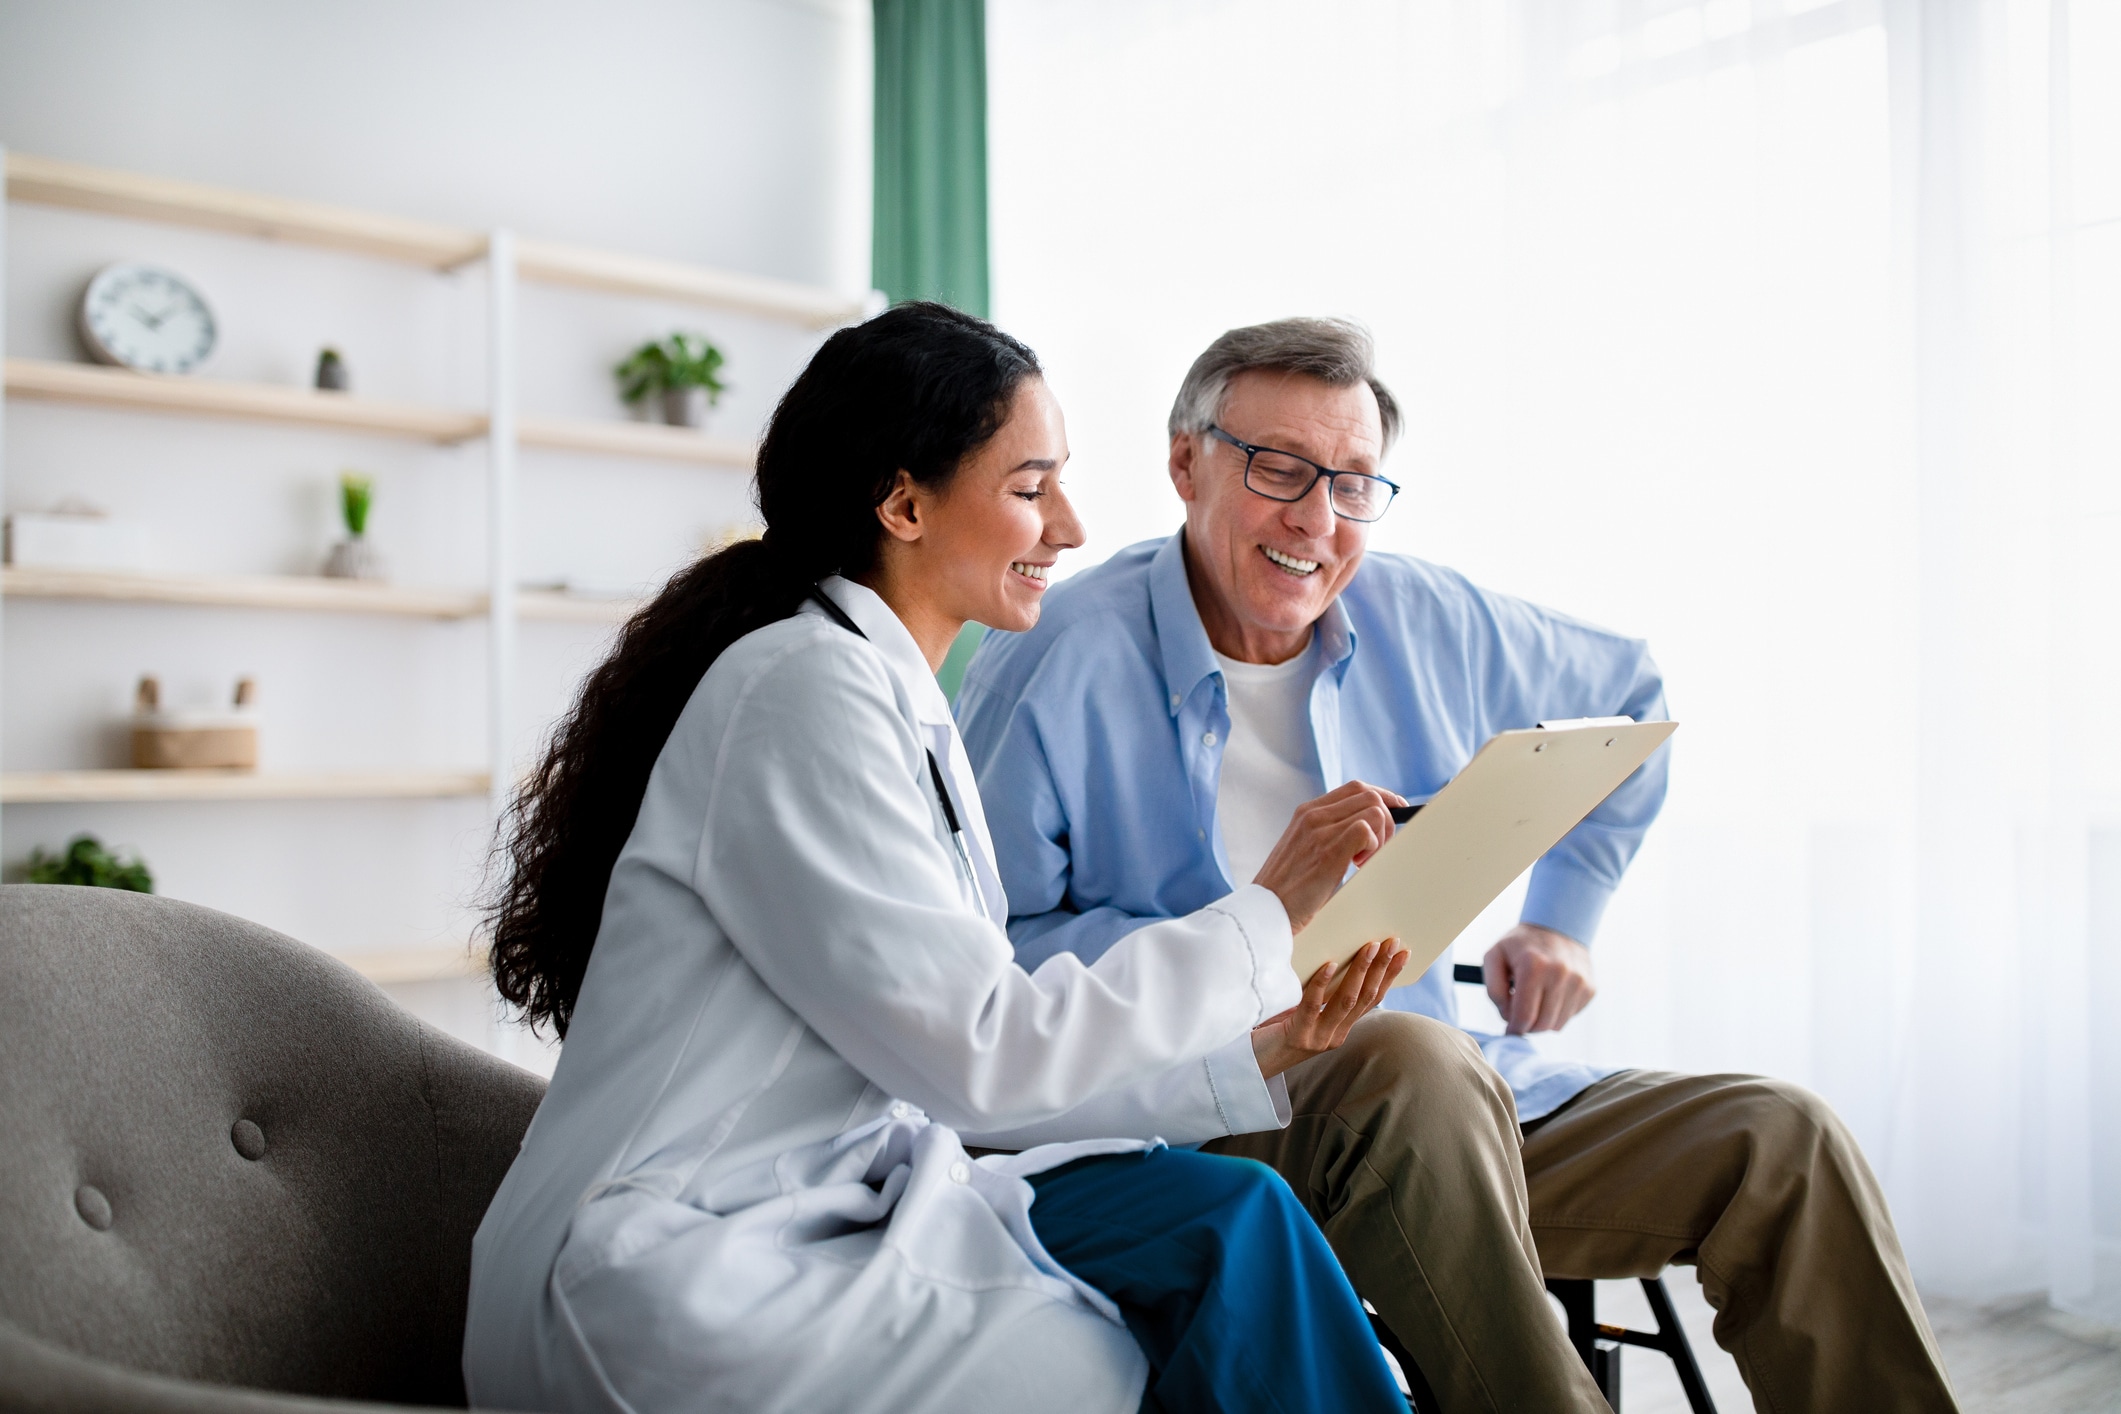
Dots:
pixel 899 512
pixel 1185 448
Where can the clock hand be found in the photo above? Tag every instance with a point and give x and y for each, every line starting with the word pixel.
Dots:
pixel 152 321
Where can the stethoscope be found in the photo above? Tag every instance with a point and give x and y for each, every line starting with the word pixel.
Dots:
pixel 935 768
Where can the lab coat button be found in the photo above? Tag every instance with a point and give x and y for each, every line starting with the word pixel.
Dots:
pixel 961 1172
pixel 901 1110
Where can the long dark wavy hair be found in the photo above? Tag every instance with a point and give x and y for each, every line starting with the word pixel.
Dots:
pixel 918 388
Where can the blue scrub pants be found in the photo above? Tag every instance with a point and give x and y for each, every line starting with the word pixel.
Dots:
pixel 1225 1281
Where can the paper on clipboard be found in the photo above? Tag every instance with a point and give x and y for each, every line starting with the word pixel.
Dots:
pixel 1512 803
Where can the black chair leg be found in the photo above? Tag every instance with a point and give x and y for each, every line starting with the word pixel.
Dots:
pixel 1676 1346
pixel 1579 1302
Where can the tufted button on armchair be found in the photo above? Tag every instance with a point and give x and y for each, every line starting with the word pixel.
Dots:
pixel 231 1170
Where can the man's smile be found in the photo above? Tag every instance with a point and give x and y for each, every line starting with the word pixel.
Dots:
pixel 1301 569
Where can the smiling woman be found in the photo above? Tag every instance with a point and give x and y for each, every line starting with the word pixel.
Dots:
pixel 978 548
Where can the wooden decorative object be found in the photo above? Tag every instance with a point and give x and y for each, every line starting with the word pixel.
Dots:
pixel 167 741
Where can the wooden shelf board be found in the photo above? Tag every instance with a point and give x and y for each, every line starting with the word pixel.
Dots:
pixel 442 963
pixel 254 402
pixel 616 273
pixel 42 181
pixel 118 786
pixel 45 182
pixel 636 439
pixel 243 592
pixel 333 596
pixel 550 606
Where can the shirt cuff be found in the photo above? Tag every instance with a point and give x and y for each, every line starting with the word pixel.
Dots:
pixel 1264 924
pixel 1566 899
pixel 1248 1101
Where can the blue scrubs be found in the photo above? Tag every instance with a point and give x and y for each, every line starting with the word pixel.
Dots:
pixel 1225 1281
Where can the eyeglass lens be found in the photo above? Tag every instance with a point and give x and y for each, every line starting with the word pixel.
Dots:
pixel 1288 478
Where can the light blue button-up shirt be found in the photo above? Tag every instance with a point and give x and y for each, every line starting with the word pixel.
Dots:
pixel 1097 739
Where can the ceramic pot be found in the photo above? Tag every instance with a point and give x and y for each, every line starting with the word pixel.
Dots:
pixel 353 559
pixel 685 407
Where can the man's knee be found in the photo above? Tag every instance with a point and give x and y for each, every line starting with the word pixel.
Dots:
pixel 1402 1067
pixel 1789 1124
pixel 1415 1046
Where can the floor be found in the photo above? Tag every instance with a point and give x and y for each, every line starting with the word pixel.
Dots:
pixel 2013 1358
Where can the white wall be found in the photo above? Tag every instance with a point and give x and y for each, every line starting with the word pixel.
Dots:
pixel 727 132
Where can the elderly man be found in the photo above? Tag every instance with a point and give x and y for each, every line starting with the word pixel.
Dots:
pixel 1144 749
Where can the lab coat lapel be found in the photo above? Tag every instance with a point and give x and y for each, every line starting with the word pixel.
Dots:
pixel 936 727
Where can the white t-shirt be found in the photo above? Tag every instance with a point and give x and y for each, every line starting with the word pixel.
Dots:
pixel 1270 765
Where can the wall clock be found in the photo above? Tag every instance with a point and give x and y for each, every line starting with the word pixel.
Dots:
pixel 144 318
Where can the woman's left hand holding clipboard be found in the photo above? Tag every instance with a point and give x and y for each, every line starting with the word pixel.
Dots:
pixel 1332 1004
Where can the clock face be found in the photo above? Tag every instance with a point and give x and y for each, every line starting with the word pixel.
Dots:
pixel 147 319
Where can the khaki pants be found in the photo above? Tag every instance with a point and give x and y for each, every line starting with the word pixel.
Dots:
pixel 1405 1146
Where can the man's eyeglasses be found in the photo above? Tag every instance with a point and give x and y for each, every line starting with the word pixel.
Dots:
pixel 1285 476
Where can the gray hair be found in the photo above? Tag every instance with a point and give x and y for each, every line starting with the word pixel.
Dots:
pixel 1337 352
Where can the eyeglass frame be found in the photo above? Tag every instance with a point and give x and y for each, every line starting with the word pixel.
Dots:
pixel 1325 473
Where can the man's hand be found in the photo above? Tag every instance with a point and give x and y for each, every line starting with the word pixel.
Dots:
pixel 1538 978
pixel 1342 827
pixel 1334 1000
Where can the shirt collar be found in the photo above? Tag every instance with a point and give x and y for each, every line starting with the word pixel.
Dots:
pixel 876 618
pixel 1182 639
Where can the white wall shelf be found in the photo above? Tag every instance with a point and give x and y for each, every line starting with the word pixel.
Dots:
pixel 127 786
pixel 493 422
pixel 45 182
pixel 619 274
pixel 393 966
pixel 97 386
pixel 556 607
pixel 637 439
pixel 315 594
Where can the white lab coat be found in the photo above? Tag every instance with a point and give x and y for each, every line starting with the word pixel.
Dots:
pixel 746 1188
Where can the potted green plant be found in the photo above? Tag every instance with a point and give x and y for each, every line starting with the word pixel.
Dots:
pixel 331 372
pixel 684 371
pixel 86 862
pixel 354 557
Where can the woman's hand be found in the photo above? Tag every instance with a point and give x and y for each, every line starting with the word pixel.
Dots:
pixel 1333 1002
pixel 1326 835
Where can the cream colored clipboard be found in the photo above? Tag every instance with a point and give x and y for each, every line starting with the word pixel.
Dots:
pixel 1513 801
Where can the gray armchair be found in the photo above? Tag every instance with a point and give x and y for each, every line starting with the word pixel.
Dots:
pixel 233 1176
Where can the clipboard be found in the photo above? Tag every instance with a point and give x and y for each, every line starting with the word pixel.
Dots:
pixel 1512 803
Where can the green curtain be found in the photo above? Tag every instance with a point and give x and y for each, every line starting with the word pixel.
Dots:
pixel 930 238
pixel 930 233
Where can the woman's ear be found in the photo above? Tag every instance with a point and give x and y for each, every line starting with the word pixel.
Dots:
pixel 899 513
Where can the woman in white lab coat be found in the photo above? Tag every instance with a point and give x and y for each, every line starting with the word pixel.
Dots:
pixel 752 886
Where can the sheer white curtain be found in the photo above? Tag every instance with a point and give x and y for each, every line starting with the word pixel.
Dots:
pixel 1783 334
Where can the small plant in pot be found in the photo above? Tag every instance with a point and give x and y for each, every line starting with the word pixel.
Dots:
pixel 683 370
pixel 354 557
pixel 85 862
pixel 331 372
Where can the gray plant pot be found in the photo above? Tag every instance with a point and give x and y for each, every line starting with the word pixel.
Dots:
pixel 686 407
pixel 353 559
